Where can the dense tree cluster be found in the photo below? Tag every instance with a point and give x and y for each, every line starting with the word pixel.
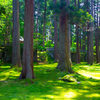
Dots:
pixel 68 28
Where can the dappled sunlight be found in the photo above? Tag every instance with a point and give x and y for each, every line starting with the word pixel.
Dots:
pixel 1 94
pixel 62 95
pixel 69 95
pixel 89 74
pixel 14 99
pixel 93 95
pixel 47 84
pixel 11 73
pixel 83 91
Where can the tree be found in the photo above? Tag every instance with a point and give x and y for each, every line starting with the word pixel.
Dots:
pixel 77 45
pixel 16 60
pixel 55 35
pixel 64 41
pixel 77 38
pixel 97 30
pixel 90 37
pixel 44 22
pixel 27 69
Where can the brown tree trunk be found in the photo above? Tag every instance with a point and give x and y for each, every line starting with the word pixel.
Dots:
pixel 37 31
pixel 64 41
pixel 55 36
pixel 27 69
pixel 77 36
pixel 77 45
pixel 84 42
pixel 97 40
pixel 16 60
pixel 97 36
pixel 44 26
pixel 80 41
pixel 90 47
pixel 90 35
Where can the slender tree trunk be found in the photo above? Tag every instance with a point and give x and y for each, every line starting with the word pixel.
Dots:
pixel 44 26
pixel 97 40
pixel 77 45
pixel 90 53
pixel 77 38
pixel 27 70
pixel 80 41
pixel 97 37
pixel 90 36
pixel 55 36
pixel 37 31
pixel 16 60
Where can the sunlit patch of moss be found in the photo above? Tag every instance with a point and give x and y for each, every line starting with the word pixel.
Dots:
pixel 89 74
pixel 93 95
pixel 70 94
pixel 83 91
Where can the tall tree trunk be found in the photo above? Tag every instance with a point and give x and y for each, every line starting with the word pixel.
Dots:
pixel 37 31
pixel 16 60
pixel 90 47
pixel 90 39
pixel 84 44
pixel 97 40
pixel 44 22
pixel 80 41
pixel 55 36
pixel 97 37
pixel 77 37
pixel 64 51
pixel 64 43
pixel 77 45
pixel 27 69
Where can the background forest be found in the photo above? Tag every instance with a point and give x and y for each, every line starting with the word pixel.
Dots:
pixel 53 45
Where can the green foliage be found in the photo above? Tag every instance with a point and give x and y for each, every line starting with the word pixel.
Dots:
pixel 58 7
pixel 49 43
pixel 73 49
pixel 2 10
pixel 5 53
pixel 42 56
pixel 38 41
pixel 76 15
pixel 79 16
pixel 5 21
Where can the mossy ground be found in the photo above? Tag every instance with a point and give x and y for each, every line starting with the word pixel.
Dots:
pixel 47 85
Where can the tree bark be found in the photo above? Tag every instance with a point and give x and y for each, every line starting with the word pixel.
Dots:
pixel 64 44
pixel 97 40
pixel 55 36
pixel 44 22
pixel 90 47
pixel 27 69
pixel 16 60
pixel 90 36
pixel 77 45
pixel 97 36
pixel 77 36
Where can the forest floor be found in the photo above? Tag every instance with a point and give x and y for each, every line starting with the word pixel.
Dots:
pixel 48 86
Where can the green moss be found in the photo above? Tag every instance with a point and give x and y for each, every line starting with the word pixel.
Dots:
pixel 47 85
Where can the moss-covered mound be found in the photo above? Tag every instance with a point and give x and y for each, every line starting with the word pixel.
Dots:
pixel 69 78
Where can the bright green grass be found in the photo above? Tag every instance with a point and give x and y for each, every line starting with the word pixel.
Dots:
pixel 47 85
